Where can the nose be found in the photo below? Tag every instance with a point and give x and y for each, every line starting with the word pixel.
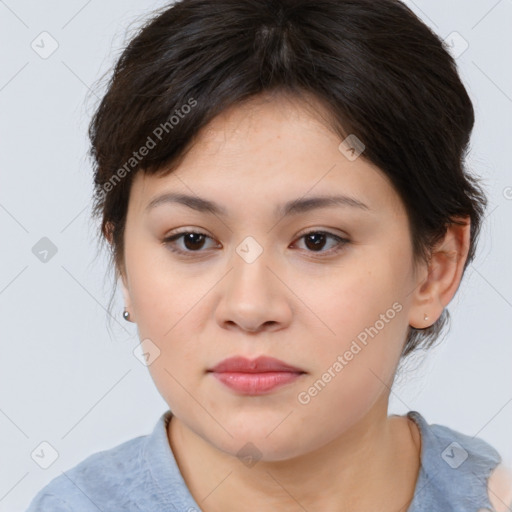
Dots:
pixel 253 297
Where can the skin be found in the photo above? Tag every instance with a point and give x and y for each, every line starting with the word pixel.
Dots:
pixel 299 305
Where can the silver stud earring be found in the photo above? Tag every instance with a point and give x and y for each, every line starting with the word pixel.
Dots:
pixel 126 315
pixel 426 317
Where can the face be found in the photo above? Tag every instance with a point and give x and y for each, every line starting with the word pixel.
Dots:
pixel 326 289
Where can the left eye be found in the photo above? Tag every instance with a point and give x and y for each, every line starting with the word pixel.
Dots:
pixel 194 241
pixel 316 240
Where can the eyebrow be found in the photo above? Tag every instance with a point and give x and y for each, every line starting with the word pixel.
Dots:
pixel 292 207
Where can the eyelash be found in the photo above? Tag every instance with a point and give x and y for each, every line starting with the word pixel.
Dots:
pixel 340 241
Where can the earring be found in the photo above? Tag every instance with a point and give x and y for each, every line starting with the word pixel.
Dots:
pixel 126 315
pixel 426 317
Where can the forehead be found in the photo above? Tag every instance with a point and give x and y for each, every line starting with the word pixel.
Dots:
pixel 265 152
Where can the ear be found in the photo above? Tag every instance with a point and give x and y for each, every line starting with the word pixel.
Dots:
pixel 433 292
pixel 108 232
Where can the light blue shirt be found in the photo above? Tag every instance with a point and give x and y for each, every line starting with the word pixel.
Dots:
pixel 141 475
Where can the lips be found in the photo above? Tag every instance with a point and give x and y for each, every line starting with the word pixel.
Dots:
pixel 261 364
pixel 255 377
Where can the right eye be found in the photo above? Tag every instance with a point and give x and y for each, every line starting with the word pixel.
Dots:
pixel 193 241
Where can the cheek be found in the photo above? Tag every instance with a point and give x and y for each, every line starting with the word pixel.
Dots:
pixel 364 324
pixel 358 297
pixel 162 294
pixel 167 305
pixel 357 362
pixel 168 313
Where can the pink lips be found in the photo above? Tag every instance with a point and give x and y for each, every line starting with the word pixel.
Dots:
pixel 255 377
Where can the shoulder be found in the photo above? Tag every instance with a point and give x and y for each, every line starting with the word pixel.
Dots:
pixel 457 468
pixel 500 488
pixel 45 501
pixel 101 478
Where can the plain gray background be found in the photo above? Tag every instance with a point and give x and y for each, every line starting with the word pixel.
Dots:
pixel 65 378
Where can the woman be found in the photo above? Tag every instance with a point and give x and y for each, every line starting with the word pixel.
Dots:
pixel 283 189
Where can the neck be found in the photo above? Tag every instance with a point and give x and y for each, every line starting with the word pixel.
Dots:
pixel 373 463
